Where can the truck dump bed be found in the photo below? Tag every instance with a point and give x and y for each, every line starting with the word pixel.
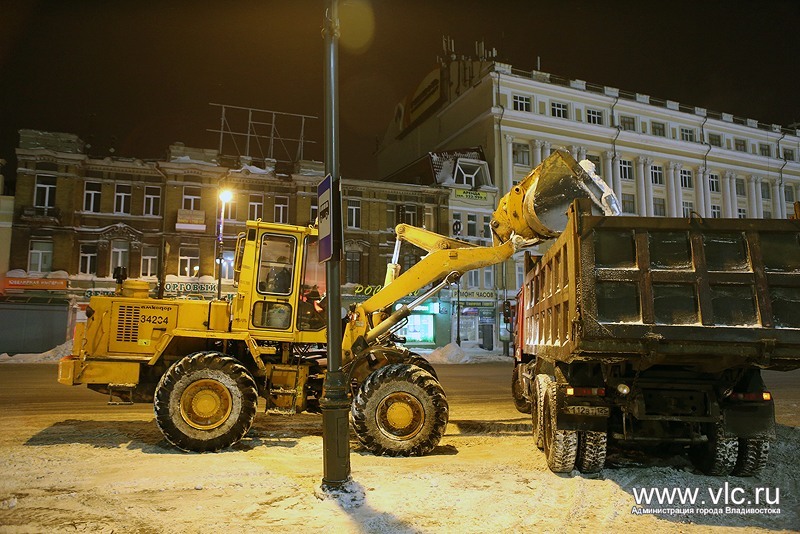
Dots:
pixel 709 293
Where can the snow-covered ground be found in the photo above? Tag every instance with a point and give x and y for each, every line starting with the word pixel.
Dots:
pixel 50 356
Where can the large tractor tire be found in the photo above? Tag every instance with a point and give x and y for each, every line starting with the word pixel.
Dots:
pixel 560 446
pixel 592 447
pixel 718 456
pixel 540 386
pixel 521 403
pixel 419 361
pixel 205 402
pixel 752 457
pixel 400 410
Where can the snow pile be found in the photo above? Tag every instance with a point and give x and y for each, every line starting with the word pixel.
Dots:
pixel 453 353
pixel 51 356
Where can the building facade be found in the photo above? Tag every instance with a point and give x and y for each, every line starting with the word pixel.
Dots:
pixel 77 218
pixel 661 157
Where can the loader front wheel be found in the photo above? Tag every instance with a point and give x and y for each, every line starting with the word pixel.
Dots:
pixel 400 410
pixel 205 402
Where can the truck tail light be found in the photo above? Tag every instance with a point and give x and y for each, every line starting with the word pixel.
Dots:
pixel 760 396
pixel 585 392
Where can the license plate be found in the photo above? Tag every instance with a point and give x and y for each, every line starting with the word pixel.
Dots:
pixel 588 410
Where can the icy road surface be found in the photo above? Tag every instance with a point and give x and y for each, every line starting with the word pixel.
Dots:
pixel 70 463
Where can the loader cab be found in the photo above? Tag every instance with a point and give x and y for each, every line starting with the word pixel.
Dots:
pixel 281 283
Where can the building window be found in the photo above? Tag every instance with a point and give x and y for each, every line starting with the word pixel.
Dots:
pixel 472 225
pixel 713 183
pixel 255 208
pixel 353 213
pixel 122 199
pixel 390 217
pixel 687 180
pixel 152 200
pixel 149 261
pixel 87 263
pixel 91 197
pixel 487 229
pixel 559 109
pixel 742 213
pixel 227 265
pixel 594 116
pixel 45 195
pixel 788 193
pixel 688 208
pixel 740 145
pixel 628 203
pixel 687 134
pixel 626 169
pixel 474 278
pixel 409 260
pixel 488 278
pixel 740 187
pixel 627 123
pixel 714 139
pixel 659 129
pixel 522 103
pixel 427 218
pixel 230 210
pixel 281 210
pixel 191 197
pixel 40 257
pixel 119 254
pixel 353 267
pixel 766 194
pixel 313 212
pixel 788 154
pixel 657 175
pixel 659 207
pixel 765 150
pixel 407 214
pixel 189 261
pixel 520 272
pixel 472 172
pixel 521 153
pixel 716 211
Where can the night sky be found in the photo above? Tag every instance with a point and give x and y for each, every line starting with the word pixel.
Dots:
pixel 139 75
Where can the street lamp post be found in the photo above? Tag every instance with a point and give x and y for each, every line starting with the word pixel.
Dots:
pixel 225 196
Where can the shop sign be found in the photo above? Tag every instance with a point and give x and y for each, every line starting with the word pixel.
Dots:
pixel 486 316
pixel 469 194
pixel 476 294
pixel 372 290
pixel 190 287
pixel 51 284
pixel 89 293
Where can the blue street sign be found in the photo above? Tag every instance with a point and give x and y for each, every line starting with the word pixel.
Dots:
pixel 324 214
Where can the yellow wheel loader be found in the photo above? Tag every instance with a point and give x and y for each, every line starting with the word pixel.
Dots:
pixel 205 363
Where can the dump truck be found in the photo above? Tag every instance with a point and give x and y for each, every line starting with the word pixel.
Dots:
pixel 647 330
pixel 204 364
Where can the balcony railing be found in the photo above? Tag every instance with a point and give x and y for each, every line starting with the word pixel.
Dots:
pixel 40 214
pixel 191 220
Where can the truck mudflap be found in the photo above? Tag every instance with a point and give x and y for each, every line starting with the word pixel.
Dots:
pixel 753 420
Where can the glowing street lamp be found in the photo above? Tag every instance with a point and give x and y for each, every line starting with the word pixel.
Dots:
pixel 225 196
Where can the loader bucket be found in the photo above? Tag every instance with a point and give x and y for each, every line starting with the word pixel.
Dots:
pixel 536 208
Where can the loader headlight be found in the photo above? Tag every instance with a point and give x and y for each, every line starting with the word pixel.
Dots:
pixel 623 389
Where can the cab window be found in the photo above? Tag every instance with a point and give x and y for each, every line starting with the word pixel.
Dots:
pixel 276 266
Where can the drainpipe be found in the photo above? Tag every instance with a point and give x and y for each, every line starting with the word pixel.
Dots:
pixel 162 257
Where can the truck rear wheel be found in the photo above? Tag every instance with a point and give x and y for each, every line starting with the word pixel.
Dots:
pixel 752 457
pixel 205 402
pixel 522 404
pixel 592 451
pixel 400 410
pixel 560 446
pixel 540 386
pixel 718 456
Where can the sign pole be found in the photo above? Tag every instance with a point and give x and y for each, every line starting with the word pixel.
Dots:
pixel 334 403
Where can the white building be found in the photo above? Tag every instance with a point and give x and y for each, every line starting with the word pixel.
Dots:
pixel 661 157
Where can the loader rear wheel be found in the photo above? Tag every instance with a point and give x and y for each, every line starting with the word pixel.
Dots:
pixel 540 386
pixel 522 404
pixel 205 402
pixel 560 446
pixel 718 456
pixel 400 410
pixel 752 457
